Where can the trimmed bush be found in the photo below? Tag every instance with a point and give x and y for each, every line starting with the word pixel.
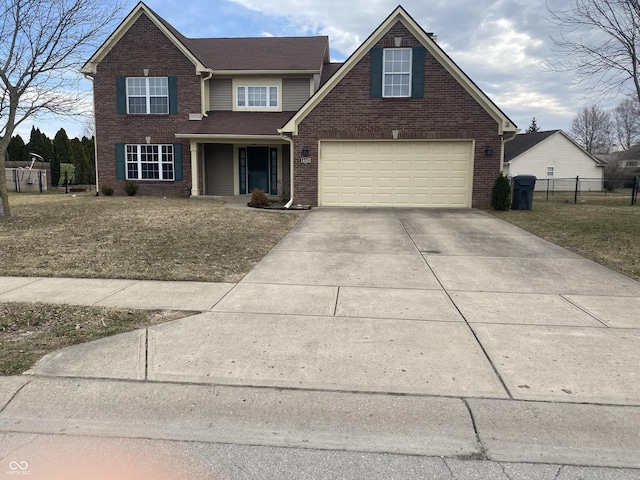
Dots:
pixel 259 199
pixel 501 193
pixel 131 188
pixel 106 190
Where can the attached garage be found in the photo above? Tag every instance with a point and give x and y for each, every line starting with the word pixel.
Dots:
pixel 396 173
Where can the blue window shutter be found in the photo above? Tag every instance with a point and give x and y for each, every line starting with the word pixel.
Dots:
pixel 417 73
pixel 242 154
pixel 177 162
pixel 173 95
pixel 121 95
pixel 120 167
pixel 273 170
pixel 375 77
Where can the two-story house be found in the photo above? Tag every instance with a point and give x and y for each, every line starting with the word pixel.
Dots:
pixel 397 124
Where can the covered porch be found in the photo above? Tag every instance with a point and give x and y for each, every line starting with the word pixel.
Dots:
pixel 233 153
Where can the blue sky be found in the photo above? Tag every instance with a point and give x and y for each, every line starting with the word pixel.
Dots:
pixel 501 44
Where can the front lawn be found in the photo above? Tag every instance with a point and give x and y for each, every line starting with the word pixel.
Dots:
pixel 135 237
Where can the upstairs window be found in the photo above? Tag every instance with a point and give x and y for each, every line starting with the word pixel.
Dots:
pixel 396 80
pixel 397 72
pixel 266 97
pixel 550 171
pixel 148 95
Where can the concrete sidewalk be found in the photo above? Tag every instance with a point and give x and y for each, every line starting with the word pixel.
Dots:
pixel 412 331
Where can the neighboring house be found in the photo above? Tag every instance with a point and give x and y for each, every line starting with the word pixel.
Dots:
pixel 398 124
pixel 554 159
pixel 629 160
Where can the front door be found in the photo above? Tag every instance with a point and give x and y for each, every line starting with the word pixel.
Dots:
pixel 258 169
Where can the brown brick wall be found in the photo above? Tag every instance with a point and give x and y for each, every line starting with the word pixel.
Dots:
pixel 143 46
pixel 447 111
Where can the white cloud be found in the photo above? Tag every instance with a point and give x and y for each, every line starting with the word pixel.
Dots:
pixel 501 48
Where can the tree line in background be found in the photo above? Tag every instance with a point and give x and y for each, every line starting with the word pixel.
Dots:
pixel 598 129
pixel 78 152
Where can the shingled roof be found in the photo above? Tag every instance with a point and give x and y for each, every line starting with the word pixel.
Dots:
pixel 236 124
pixel 262 53
pixel 523 142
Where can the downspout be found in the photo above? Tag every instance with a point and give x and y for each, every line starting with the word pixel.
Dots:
pixel 203 107
pixel 95 137
pixel 290 140
pixel 506 139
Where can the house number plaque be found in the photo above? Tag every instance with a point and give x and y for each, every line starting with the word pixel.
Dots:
pixel 305 160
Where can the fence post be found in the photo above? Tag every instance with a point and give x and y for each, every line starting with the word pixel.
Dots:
pixel 634 190
pixel 66 182
pixel 547 189
pixel 575 195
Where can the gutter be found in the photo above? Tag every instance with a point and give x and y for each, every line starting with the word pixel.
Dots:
pixel 203 106
pixel 506 139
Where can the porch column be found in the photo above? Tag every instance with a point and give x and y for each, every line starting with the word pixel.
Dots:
pixel 195 176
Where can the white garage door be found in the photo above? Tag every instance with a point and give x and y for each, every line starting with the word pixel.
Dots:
pixel 398 173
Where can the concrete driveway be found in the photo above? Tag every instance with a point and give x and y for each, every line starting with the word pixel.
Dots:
pixel 437 302
pixel 502 336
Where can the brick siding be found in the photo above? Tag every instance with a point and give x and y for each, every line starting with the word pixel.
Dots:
pixel 143 46
pixel 447 111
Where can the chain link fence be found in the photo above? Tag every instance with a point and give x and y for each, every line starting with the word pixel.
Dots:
pixel 577 189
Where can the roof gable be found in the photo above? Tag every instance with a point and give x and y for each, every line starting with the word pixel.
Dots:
pixel 400 15
pixel 181 42
pixel 524 142
pixel 219 55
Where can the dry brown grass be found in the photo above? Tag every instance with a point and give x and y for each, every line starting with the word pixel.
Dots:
pixel 136 237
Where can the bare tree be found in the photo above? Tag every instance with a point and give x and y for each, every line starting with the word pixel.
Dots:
pixel 591 128
pixel 626 122
pixel 43 43
pixel 598 40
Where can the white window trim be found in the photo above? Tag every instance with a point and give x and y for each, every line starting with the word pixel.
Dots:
pixel 385 73
pixel 138 162
pixel 269 106
pixel 147 96
pixel 550 171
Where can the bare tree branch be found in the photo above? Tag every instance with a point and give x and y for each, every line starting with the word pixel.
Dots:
pixel 599 41
pixel 43 44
